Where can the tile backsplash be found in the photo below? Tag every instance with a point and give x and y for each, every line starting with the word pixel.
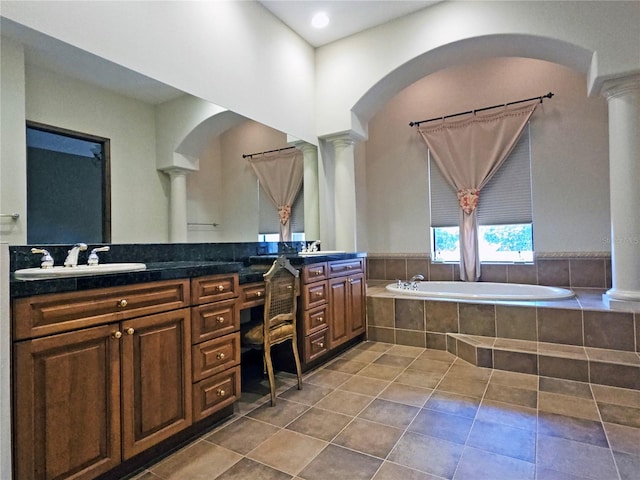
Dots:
pixel 560 270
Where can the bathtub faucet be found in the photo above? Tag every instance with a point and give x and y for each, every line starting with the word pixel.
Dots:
pixel 412 283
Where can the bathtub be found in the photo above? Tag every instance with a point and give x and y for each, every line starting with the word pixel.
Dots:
pixel 481 291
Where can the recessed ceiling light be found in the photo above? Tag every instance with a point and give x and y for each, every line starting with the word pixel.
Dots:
pixel 320 20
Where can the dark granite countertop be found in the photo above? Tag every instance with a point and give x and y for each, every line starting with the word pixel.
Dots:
pixel 249 271
pixel 155 271
pixel 297 259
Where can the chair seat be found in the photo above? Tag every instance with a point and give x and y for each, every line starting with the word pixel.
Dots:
pixel 254 336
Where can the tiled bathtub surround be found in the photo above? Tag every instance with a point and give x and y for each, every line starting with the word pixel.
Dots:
pixel 577 339
pixel 558 270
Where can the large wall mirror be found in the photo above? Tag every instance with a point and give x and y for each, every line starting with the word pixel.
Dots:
pixel 68 186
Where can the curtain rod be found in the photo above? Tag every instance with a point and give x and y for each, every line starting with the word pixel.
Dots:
pixel 548 95
pixel 245 155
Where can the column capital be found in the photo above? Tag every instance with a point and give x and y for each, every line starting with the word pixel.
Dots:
pixel 305 147
pixel 619 86
pixel 344 139
pixel 176 171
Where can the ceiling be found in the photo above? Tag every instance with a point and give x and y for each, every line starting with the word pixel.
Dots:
pixel 347 18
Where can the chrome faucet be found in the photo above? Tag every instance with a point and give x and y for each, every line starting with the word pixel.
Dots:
pixel 93 259
pixel 72 257
pixel 47 260
pixel 412 283
pixel 312 247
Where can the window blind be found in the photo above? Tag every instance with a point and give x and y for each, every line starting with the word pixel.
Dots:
pixel 505 200
pixel 269 218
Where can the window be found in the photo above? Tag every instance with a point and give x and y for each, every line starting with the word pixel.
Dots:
pixel 505 226
pixel 269 228
pixel 68 189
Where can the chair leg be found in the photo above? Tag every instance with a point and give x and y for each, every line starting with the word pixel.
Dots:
pixel 272 382
pixel 294 347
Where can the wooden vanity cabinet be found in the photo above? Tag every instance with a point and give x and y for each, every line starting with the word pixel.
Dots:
pixel 66 406
pixel 313 312
pixel 215 343
pixel 86 399
pixel 347 296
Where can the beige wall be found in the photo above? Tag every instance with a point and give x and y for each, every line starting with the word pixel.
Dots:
pixel 569 148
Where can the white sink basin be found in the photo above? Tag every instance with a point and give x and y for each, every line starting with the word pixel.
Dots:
pixel 322 252
pixel 79 271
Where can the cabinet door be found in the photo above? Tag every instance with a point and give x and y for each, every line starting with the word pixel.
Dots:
pixel 357 295
pixel 156 379
pixel 339 307
pixel 67 404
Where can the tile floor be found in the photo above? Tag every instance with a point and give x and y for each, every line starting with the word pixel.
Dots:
pixel 384 412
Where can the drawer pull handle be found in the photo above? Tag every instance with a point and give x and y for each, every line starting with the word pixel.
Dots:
pixel 117 335
pixel 221 392
pixel 318 294
pixel 320 344
pixel 130 331
pixel 220 356
pixel 258 294
pixel 317 272
pixel 220 319
pixel 220 288
pixel 320 320
pixel 123 303
pixel 349 267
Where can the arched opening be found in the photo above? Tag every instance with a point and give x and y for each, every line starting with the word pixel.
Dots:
pixel 467 51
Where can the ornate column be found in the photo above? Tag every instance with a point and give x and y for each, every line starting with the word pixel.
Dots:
pixel 623 98
pixel 311 190
pixel 344 191
pixel 178 204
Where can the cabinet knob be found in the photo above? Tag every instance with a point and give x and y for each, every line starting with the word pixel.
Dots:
pixel 317 272
pixel 220 288
pixel 130 331
pixel 318 294
pixel 221 392
pixel 122 303
pixel 220 356
pixel 258 294
pixel 117 335
pixel 220 319
pixel 319 320
pixel 320 344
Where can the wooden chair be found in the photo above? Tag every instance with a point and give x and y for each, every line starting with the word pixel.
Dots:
pixel 279 323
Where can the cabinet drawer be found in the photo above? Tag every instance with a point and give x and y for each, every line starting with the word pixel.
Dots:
pixel 252 294
pixel 316 319
pixel 60 312
pixel 314 273
pixel 346 267
pixel 214 288
pixel 214 320
pixel 314 295
pixel 215 393
pixel 316 345
pixel 215 355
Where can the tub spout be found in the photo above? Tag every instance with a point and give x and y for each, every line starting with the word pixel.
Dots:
pixel 415 278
